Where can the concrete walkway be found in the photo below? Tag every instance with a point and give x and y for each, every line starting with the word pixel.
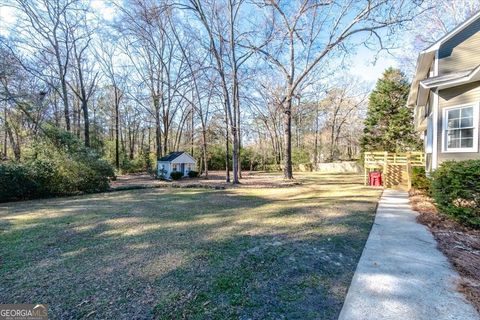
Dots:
pixel 401 274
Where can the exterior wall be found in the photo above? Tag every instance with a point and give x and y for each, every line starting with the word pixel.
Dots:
pixel 462 51
pixel 469 93
pixel 184 158
pixel 166 166
pixel 428 162
pixel 187 167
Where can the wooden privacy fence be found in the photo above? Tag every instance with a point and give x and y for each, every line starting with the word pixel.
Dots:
pixel 396 167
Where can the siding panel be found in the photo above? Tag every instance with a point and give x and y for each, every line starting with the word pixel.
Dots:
pixel 462 51
pixel 469 93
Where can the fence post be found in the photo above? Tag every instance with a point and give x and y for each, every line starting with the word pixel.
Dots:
pixel 364 168
pixel 385 168
pixel 409 170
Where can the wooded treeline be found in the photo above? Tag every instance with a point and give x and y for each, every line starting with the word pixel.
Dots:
pixel 239 84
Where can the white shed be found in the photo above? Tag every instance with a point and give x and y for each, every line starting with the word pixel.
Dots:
pixel 175 161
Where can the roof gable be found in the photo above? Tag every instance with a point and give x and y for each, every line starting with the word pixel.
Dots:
pixel 178 156
pixel 468 32
pixel 184 158
pixel 427 56
pixel 458 29
pixel 171 156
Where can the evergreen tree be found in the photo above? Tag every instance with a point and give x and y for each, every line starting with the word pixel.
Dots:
pixel 389 123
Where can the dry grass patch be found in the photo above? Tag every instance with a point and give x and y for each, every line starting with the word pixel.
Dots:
pixel 254 252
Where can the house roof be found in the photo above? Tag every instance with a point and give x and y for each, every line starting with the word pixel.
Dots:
pixel 454 32
pixel 426 58
pixel 452 79
pixel 171 156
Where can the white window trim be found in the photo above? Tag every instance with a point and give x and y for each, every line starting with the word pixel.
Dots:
pixel 476 106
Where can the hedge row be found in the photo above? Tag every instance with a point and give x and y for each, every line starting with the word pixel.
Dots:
pixel 59 164
pixel 456 190
pixel 455 186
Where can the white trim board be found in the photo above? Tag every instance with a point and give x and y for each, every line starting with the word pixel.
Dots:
pixel 474 149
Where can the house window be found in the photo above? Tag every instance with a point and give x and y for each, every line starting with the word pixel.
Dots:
pixel 460 129
pixel 174 167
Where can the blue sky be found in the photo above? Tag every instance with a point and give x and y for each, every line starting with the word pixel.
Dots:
pixel 364 67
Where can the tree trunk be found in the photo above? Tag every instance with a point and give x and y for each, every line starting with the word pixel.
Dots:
pixel 117 120
pixel 193 135
pixel 235 156
pixel 227 154
pixel 63 82
pixel 315 154
pixel 86 123
pixel 239 136
pixel 288 172
pixel 5 138
pixel 15 144
pixel 84 101
pixel 158 130
pixel 204 147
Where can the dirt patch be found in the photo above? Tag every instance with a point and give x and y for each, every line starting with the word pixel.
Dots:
pixel 215 180
pixel 460 244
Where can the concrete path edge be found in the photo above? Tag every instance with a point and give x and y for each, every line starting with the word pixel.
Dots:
pixel 401 273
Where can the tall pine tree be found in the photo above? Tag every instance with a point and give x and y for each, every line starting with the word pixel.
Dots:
pixel 389 123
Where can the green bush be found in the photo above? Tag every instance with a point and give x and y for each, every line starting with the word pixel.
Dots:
pixel 176 175
pixel 16 182
pixel 273 168
pixel 58 164
pixel 456 190
pixel 420 180
pixel 193 174
pixel 46 174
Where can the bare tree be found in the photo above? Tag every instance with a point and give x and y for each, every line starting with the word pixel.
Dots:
pixel 223 38
pixel 116 81
pixel 44 32
pixel 438 18
pixel 302 33
pixel 85 75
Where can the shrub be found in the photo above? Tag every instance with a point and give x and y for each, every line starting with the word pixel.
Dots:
pixel 456 190
pixel 193 174
pixel 420 180
pixel 16 182
pixel 273 168
pixel 176 175
pixel 45 173
pixel 59 164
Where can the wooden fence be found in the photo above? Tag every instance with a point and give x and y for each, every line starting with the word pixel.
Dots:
pixel 393 166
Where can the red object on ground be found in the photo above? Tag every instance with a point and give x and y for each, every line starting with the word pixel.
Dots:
pixel 375 178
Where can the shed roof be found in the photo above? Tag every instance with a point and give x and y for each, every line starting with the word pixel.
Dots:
pixel 171 156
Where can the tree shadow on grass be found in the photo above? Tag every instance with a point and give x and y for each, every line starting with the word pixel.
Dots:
pixel 181 254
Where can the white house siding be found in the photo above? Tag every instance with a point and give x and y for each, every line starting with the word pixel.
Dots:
pixel 184 158
pixel 187 161
pixel 176 165
pixel 164 165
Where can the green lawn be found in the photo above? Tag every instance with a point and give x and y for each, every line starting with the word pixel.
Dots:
pixel 241 253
